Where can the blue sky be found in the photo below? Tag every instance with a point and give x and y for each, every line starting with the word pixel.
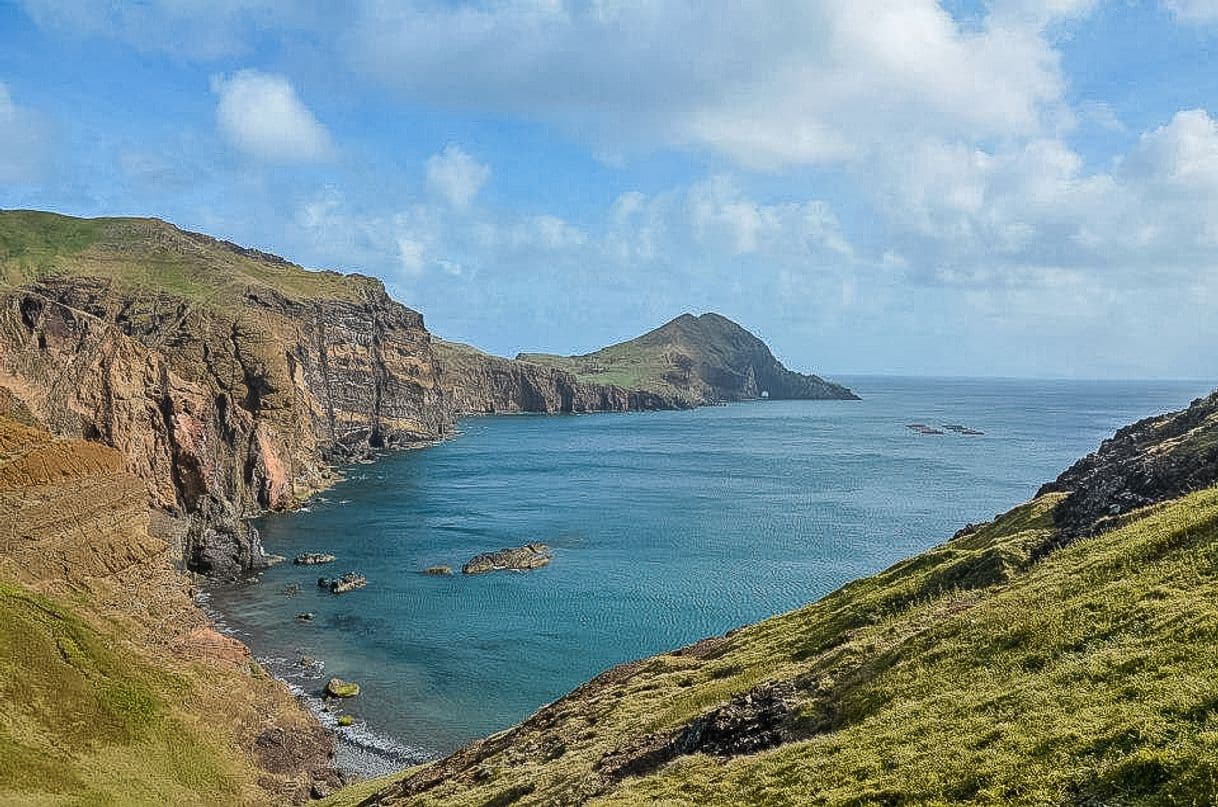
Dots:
pixel 1019 187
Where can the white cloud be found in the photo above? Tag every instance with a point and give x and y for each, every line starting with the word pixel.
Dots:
pixel 455 176
pixel 703 227
pixel 766 84
pixel 720 214
pixel 1031 214
pixel 261 115
pixel 553 232
pixel 412 255
pixel 23 137
pixel 1197 11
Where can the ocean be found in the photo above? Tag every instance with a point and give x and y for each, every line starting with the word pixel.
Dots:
pixel 666 527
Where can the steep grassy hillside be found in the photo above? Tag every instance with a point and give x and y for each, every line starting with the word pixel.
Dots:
pixel 706 359
pixel 114 689
pixel 1006 666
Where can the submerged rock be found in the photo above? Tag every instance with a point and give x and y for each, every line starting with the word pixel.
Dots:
pixel 338 688
pixel 349 581
pixel 313 558
pixel 307 616
pixel 438 571
pixel 961 429
pixel 521 558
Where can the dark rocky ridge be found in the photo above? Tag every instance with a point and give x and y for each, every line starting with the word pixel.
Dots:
pixel 1151 461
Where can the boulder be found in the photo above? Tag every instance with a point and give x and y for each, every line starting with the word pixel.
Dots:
pixel 338 688
pixel 313 558
pixel 521 558
pixel 438 571
pixel 349 581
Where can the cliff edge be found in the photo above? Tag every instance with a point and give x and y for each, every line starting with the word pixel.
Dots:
pixel 228 379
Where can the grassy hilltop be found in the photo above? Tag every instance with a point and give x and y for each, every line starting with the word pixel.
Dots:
pixel 150 254
pixel 704 359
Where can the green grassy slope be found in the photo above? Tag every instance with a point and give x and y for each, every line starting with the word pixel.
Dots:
pixel 700 359
pixel 981 672
pixel 152 255
pixel 87 723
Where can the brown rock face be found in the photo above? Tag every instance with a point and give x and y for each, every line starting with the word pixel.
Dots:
pixel 222 410
pixel 478 383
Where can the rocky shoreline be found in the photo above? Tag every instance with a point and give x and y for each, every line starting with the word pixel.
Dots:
pixel 233 386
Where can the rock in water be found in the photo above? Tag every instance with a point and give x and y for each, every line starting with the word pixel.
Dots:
pixel 338 688
pixel 313 558
pixel 438 571
pixel 349 581
pixel 522 558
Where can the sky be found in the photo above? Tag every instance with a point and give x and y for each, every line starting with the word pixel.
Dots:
pixel 1012 188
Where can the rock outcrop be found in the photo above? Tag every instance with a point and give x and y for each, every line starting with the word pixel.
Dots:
pixel 346 582
pixel 1151 461
pixel 313 559
pixel 338 688
pixel 478 383
pixel 520 559
pixel 228 379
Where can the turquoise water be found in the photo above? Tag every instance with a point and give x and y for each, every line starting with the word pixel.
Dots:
pixel 666 527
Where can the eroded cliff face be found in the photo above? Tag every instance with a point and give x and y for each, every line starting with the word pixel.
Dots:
pixel 222 410
pixel 116 687
pixel 478 383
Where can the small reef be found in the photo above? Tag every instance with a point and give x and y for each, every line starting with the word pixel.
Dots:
pixel 313 559
pixel 955 428
pixel 348 581
pixel 521 558
pixel 959 429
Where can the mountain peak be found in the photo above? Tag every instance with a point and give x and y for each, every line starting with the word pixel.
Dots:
pixel 701 359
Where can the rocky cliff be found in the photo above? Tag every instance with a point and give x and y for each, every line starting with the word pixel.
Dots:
pixel 695 361
pixel 1154 460
pixel 228 379
pixel 478 383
